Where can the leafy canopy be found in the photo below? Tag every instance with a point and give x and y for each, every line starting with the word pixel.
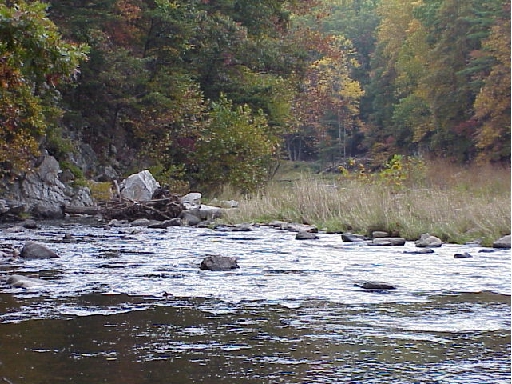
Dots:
pixel 33 60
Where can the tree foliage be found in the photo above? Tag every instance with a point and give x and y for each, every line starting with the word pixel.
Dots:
pixel 431 65
pixel 236 148
pixel 210 91
pixel 34 59
pixel 492 104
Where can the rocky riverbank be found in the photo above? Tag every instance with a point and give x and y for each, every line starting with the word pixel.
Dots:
pixel 139 200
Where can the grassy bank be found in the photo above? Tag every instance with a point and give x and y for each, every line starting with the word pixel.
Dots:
pixel 455 203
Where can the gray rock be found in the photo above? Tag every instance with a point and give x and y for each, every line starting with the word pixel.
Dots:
pixel 228 204
pixel 503 242
pixel 118 223
pixel 4 207
pixel 33 250
pixel 428 241
pixel 352 237
pixel 66 176
pixel 20 281
pixel 379 234
pixel 218 263
pixel 423 251
pixel 175 222
pixel 190 219
pixel 209 212
pixel 143 222
pixel 305 235
pixel 243 227
pixel 278 224
pixel 49 170
pixel 297 227
pixel 42 194
pixel 106 173
pixel 191 200
pixel 387 241
pixel 15 229
pixel 29 224
pixel 375 286
pixel 464 255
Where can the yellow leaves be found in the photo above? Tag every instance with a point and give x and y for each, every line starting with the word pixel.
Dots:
pixel 129 11
pixel 492 104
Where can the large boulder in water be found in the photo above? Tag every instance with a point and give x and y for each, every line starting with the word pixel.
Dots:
pixel 33 250
pixel 503 242
pixel 428 241
pixel 218 263
pixel 139 186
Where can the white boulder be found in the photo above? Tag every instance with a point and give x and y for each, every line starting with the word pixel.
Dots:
pixel 139 186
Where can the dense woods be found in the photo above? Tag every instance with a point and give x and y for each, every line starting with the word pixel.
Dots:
pixel 214 92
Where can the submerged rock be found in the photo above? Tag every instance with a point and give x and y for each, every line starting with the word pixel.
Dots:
pixel 305 235
pixel 375 286
pixel 464 255
pixel 20 281
pixel 352 237
pixel 423 251
pixel 175 222
pixel 389 241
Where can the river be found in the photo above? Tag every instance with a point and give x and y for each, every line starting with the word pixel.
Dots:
pixel 130 305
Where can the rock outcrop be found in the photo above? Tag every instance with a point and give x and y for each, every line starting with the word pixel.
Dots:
pixel 42 194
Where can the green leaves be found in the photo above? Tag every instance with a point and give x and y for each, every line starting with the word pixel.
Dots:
pixel 235 149
pixel 34 59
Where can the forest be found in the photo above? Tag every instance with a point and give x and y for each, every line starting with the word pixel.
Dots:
pixel 215 92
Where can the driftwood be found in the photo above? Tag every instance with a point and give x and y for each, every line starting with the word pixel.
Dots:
pixel 125 209
pixel 75 210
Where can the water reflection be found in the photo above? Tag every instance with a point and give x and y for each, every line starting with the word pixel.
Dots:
pixel 177 342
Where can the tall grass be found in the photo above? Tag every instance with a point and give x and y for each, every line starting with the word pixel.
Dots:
pixel 455 203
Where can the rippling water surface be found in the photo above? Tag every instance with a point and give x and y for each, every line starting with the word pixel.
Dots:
pixel 130 305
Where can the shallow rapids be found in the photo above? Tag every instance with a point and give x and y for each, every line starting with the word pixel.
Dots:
pixel 131 302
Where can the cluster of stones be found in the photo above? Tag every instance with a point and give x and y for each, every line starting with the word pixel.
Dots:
pixel 424 244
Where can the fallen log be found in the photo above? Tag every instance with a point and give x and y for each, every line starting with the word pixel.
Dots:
pixel 75 210
pixel 125 209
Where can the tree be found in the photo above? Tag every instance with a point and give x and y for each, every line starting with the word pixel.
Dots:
pixel 427 71
pixel 455 29
pixel 34 59
pixel 492 104
pixel 236 148
pixel 391 38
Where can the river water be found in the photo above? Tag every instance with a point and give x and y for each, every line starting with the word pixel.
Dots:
pixel 130 305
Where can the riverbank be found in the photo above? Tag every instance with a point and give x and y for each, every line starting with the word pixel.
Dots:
pixel 454 203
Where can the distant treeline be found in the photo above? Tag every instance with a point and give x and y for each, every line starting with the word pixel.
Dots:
pixel 215 91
